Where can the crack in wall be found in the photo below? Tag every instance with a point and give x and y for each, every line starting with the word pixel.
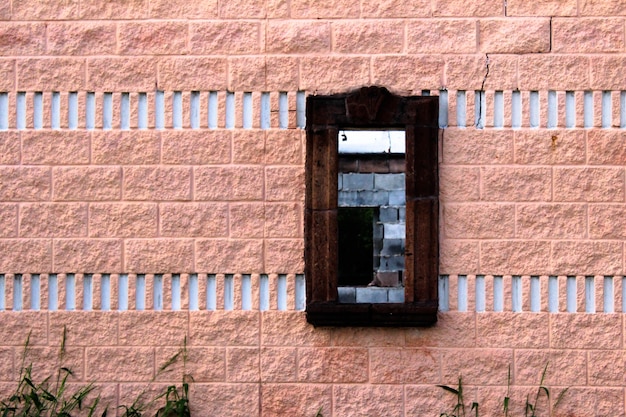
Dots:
pixel 479 119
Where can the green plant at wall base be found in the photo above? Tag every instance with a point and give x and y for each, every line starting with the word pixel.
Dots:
pixel 530 408
pixel 53 398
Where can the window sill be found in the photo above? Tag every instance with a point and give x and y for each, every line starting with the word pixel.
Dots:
pixel 418 314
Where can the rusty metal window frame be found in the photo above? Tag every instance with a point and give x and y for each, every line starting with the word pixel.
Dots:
pixel 372 108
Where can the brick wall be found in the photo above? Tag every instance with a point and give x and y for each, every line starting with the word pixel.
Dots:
pixel 162 137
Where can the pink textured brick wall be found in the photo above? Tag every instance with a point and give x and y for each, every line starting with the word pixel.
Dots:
pixel 527 201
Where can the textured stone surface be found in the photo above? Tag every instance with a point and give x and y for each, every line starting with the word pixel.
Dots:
pixel 479 221
pixel 153 328
pixel 283 220
pixel 55 147
pixel 477 147
pixel 284 184
pixel 7 67
pixel 39 10
pixel 453 329
pixel 120 74
pixel 278 364
pixel 501 330
pixel 481 366
pixel 172 9
pixel 368 37
pixel 114 9
pixel 514 257
pixel 224 328
pixel 48 362
pixel 601 8
pixel 587 257
pixel 224 37
pixel 467 8
pixel 229 256
pixel 22 39
pixel 242 365
pixel 87 255
pixel 228 183
pixel 103 328
pixel 17 327
pixel 588 184
pixel 403 365
pixel 118 364
pixel 123 220
pixel 51 74
pixel 587 35
pixel 336 365
pixel 441 36
pixel 282 73
pixel 205 364
pixel 367 400
pixel 515 36
pixel 607 221
pixel 551 221
pixel 248 147
pixel 284 256
pixel 467 72
pixel 93 38
pixel 196 147
pixel 334 74
pixel 590 328
pixel 53 220
pixel 194 219
pixel 286 328
pixel 246 73
pixel 408 73
pixel 26 255
pixel 541 8
pixel 517 184
pixel 159 255
pixel 125 148
pixel 295 37
pixel 459 183
pixel 157 183
pixel 159 38
pixel 8 220
pixel 192 73
pixel 311 9
pixel 295 399
pixel 564 367
pixel 458 256
pixel 554 72
pixel 550 147
pixel 24 183
pixel 87 184
pixel 228 400
pixel 241 9
pixel 246 220
pixel 606 147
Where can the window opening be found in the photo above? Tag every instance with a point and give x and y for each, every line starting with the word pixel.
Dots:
pixel 371 209
pixel 371 215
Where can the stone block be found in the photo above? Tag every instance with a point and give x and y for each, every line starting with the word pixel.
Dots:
pixel 392 247
pixel 388 214
pixel 9 147
pixel 554 72
pixel 371 295
pixel 298 37
pixel 395 295
pixel 125 148
pixel 180 9
pixel 589 35
pixel 87 183
pixel 550 147
pixel 481 366
pixel 397 365
pixel 467 72
pixel 589 184
pixel 389 181
pixel 408 73
pixel 515 36
pixel 468 8
pixel 117 364
pixel 459 183
pixel 391 263
pixel 515 257
pixel 26 255
pixel 196 147
pixel 224 37
pixel 159 256
pixel 564 367
pixel 205 364
pixel 8 220
pixel 22 39
pixel 55 147
pixel 348 199
pixel 397 198
pixel 517 184
pixel 607 221
pixel 114 9
pixel 552 221
pixel 333 365
pixel 357 182
pixel 590 328
pixel 512 330
pixel 125 220
pixel 53 220
pixel 37 10
pixel 542 8
pixel 295 399
pixel 243 364
pixel 279 364
pixel 120 74
pixel 284 147
pixel 51 74
pixel 192 74
pixel 372 198
pixel 284 256
pixel 394 231
pixel 152 38
pixel 479 221
pixel 102 329
pixel 247 220
pixel 458 256
pixel 282 72
pixel 160 183
pixel 226 328
pixel 81 38
pixel 284 184
pixel 194 219
pixel 334 74
pixel 229 256
pixel 87 255
pixel 434 36
pixel 228 183
pixel 346 294
pixel 290 328
pixel 587 257
pixel 368 400
pixel 477 147
pixel 247 73
pixel 367 37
